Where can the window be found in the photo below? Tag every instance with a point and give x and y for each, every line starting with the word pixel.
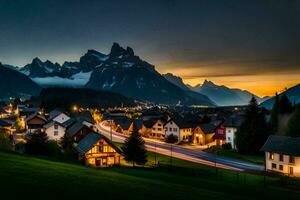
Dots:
pixel 170 129
pixel 55 126
pixel 229 130
pixel 55 133
pixel 174 129
pixel 292 159
pixel 291 170
pixel 281 167
pixel 271 156
pixel 153 129
pixel 159 129
pixel 274 166
pixel 281 157
pixel 158 124
pixel 229 138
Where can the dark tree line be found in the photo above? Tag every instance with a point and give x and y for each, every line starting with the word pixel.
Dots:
pixel 254 131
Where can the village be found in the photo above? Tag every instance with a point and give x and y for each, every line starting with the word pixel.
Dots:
pixel 90 132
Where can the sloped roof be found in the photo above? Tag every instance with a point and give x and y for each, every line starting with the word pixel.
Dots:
pixel 124 123
pixel 90 140
pixel 69 122
pixel 72 130
pixel 283 145
pixel 55 113
pixel 235 121
pixel 149 123
pixel 4 123
pixel 208 128
pixel 52 123
pixel 30 117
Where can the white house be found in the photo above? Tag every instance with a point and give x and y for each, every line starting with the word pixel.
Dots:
pixel 55 130
pixel 282 155
pixel 171 128
pixel 179 127
pixel 232 125
pixel 158 129
pixel 58 116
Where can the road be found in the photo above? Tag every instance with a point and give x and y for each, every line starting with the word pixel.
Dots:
pixel 193 155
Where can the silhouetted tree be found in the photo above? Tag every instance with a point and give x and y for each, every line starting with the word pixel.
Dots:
pixel 253 131
pixel 293 127
pixel 284 105
pixel 37 143
pixel 68 150
pixel 274 116
pixel 134 148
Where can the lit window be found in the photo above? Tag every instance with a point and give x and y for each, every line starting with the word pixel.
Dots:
pixel 271 156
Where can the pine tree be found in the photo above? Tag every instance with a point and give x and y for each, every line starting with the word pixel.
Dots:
pixel 69 151
pixel 134 148
pixel 274 116
pixel 293 127
pixel 253 131
pixel 284 104
pixel 37 143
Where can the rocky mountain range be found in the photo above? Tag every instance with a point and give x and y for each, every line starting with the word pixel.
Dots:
pixel 119 71
pixel 221 95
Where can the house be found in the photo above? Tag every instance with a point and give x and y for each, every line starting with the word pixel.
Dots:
pixel 204 134
pixel 122 125
pixel 78 131
pixel 7 126
pixel 158 130
pixel 55 130
pixel 58 116
pixel 98 151
pixel 35 122
pixel 125 125
pixel 86 118
pixel 146 129
pixel 282 155
pixel 232 124
pixel 179 127
pixel 220 132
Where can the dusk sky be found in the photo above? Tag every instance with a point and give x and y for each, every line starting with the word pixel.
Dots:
pixel 253 45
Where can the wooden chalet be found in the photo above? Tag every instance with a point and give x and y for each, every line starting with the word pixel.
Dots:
pixel 35 122
pixel 98 151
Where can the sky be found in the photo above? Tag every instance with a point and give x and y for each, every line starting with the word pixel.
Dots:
pixel 247 44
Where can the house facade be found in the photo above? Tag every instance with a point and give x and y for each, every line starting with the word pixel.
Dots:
pixel 97 151
pixel 232 125
pixel 35 122
pixel 55 130
pixel 171 128
pixel 282 155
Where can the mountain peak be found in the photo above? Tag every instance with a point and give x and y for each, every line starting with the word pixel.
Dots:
pixel 116 49
pixel 207 83
pixel 36 59
pixel 130 51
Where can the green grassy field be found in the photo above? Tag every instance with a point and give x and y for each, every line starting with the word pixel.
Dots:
pixel 25 176
pixel 234 154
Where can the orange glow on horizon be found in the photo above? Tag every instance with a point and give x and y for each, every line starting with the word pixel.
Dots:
pixel 261 84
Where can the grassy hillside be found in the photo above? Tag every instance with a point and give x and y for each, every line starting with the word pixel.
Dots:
pixel 24 176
